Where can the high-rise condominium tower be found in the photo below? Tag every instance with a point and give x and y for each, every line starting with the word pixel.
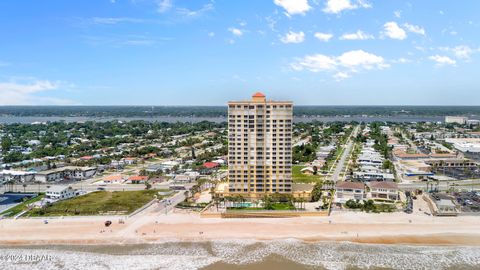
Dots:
pixel 259 146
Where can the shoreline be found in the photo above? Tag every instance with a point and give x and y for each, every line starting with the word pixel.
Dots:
pixel 433 240
pixel 153 227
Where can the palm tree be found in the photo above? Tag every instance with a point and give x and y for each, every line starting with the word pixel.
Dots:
pixel 267 201
pixel 24 187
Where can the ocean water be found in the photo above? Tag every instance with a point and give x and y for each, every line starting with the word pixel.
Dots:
pixel 247 255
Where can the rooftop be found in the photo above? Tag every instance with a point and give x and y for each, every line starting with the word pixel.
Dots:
pixel 386 185
pixel 57 188
pixel 258 94
pixel 350 185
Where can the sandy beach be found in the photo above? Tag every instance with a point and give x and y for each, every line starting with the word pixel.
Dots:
pixel 154 227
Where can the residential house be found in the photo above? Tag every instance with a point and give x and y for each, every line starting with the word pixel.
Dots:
pixel 345 191
pixel 383 191
pixel 138 179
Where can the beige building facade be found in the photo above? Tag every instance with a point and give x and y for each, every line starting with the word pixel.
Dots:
pixel 259 147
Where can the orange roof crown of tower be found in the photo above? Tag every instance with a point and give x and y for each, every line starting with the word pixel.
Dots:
pixel 258 94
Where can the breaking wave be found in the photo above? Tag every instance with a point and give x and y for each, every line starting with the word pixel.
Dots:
pixel 179 255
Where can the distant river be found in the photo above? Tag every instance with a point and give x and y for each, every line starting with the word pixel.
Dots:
pixel 194 119
pixel 246 255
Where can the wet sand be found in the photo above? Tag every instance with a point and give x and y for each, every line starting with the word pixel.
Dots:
pixel 154 227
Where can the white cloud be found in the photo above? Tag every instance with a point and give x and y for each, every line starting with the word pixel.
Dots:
pixel 359 35
pixel 397 13
pixel 294 7
pixel 293 37
pixel 462 51
pixel 360 59
pixel 339 76
pixel 15 93
pixel 402 60
pixel 164 5
pixel 235 31
pixel 337 6
pixel 323 36
pixel 414 29
pixel 393 31
pixel 315 63
pixel 442 60
pixel 343 65
pixel 185 12
pixel 211 34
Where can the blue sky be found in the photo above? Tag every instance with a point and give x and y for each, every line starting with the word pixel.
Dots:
pixel 205 52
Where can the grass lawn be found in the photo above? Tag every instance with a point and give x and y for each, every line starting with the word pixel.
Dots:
pixel 299 177
pixel 98 203
pixel 283 206
pixel 21 207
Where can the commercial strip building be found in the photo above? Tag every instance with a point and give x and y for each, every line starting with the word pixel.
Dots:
pixel 470 147
pixel 260 146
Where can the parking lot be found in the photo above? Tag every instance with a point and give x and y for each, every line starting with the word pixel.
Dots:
pixel 459 173
pixel 468 201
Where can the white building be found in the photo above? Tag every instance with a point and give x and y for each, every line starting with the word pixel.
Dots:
pixel 58 193
pixel 260 146
pixel 373 176
pixel 470 147
pixel 456 120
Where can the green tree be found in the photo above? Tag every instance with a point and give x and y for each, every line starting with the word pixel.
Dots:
pixel 317 192
pixel 6 144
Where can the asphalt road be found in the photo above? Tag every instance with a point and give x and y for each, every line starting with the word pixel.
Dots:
pixel 345 155
pixel 84 186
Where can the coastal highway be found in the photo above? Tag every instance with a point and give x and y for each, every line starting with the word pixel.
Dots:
pixel 345 155
pixel 84 186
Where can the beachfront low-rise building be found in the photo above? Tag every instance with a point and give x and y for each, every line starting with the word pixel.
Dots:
pixel 383 191
pixel 58 193
pixel 345 191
